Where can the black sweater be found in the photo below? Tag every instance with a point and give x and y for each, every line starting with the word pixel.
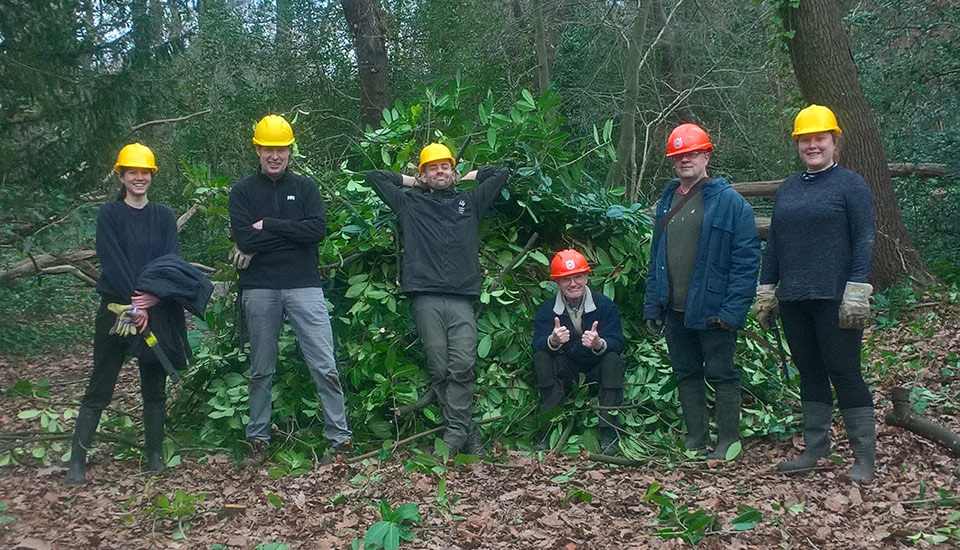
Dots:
pixel 821 235
pixel 440 246
pixel 127 240
pixel 294 221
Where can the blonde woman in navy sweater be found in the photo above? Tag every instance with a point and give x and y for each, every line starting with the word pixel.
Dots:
pixel 819 251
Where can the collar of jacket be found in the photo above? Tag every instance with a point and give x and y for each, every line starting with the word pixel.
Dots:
pixel 263 177
pixel 710 187
pixel 588 306
pixel 448 192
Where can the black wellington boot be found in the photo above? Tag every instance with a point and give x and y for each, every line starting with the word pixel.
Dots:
pixel 83 430
pixel 154 414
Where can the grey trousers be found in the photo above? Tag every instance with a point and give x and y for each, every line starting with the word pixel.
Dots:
pixel 307 312
pixel 448 330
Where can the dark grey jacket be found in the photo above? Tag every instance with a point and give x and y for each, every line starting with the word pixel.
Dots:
pixel 440 246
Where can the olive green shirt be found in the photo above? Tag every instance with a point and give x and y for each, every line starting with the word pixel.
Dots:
pixel 683 240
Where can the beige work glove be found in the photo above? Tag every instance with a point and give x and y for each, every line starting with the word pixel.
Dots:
pixel 766 307
pixel 855 307
pixel 238 259
pixel 125 325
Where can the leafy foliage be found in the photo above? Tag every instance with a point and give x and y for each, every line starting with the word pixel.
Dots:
pixel 377 348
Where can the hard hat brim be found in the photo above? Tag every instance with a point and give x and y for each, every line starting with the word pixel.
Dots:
pixel 577 271
pixel 263 143
pixel 817 130
pixel 117 167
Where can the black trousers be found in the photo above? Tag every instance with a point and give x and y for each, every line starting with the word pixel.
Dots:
pixel 824 353
pixel 109 353
pixel 556 373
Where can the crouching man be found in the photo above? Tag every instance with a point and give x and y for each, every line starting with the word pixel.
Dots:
pixel 579 332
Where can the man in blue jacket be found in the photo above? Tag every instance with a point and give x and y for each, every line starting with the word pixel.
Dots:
pixel 277 218
pixel 703 276
pixel 579 331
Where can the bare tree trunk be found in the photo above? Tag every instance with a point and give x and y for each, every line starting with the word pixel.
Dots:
pixel 623 172
pixel 670 67
pixel 825 68
pixel 368 40
pixel 540 46
pixel 284 22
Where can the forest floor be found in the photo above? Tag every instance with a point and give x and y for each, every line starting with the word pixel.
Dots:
pixel 566 503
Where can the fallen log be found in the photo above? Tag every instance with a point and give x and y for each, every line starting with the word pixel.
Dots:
pixel 43 261
pixel 903 417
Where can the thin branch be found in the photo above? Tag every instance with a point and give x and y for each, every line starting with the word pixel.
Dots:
pixel 167 120
pixel 415 437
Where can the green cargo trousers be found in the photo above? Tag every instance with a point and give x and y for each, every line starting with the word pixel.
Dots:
pixel 448 330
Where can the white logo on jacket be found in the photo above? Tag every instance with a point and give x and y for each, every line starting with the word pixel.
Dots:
pixel 291 197
pixel 462 207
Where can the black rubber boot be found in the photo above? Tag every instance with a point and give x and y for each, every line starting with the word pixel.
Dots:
pixel 862 432
pixel 86 425
pixel 817 418
pixel 728 419
pixel 693 404
pixel 153 416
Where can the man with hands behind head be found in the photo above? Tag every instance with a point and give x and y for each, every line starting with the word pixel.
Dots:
pixel 441 273
pixel 579 331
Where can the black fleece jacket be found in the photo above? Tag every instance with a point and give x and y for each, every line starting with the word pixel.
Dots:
pixel 294 221
pixel 440 246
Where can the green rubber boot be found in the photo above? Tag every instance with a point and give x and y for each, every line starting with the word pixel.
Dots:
pixel 862 432
pixel 817 418
pixel 728 419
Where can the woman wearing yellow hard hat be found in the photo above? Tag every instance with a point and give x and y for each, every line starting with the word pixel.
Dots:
pixel 819 251
pixel 131 232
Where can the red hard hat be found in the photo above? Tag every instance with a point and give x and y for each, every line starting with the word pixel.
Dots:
pixel 686 138
pixel 568 262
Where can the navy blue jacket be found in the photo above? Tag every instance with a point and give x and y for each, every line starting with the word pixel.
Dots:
pixel 724 280
pixel 597 308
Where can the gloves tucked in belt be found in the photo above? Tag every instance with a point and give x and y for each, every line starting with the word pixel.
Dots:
pixel 855 307
pixel 766 307
pixel 238 259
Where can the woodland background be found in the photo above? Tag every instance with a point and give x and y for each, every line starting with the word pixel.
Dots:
pixel 576 96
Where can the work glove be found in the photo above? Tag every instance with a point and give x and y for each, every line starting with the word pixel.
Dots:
pixel 238 259
pixel 855 307
pixel 654 326
pixel 766 308
pixel 124 325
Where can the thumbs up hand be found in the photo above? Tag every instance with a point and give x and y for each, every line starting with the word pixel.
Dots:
pixel 591 338
pixel 560 334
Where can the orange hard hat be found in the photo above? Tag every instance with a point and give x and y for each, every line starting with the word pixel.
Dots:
pixel 686 138
pixel 568 262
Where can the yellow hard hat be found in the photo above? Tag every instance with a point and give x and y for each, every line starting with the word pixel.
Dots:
pixel 435 151
pixel 273 131
pixel 815 119
pixel 135 155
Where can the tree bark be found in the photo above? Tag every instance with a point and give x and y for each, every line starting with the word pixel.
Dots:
pixel 903 417
pixel 623 172
pixel 824 65
pixel 541 47
pixel 371 50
